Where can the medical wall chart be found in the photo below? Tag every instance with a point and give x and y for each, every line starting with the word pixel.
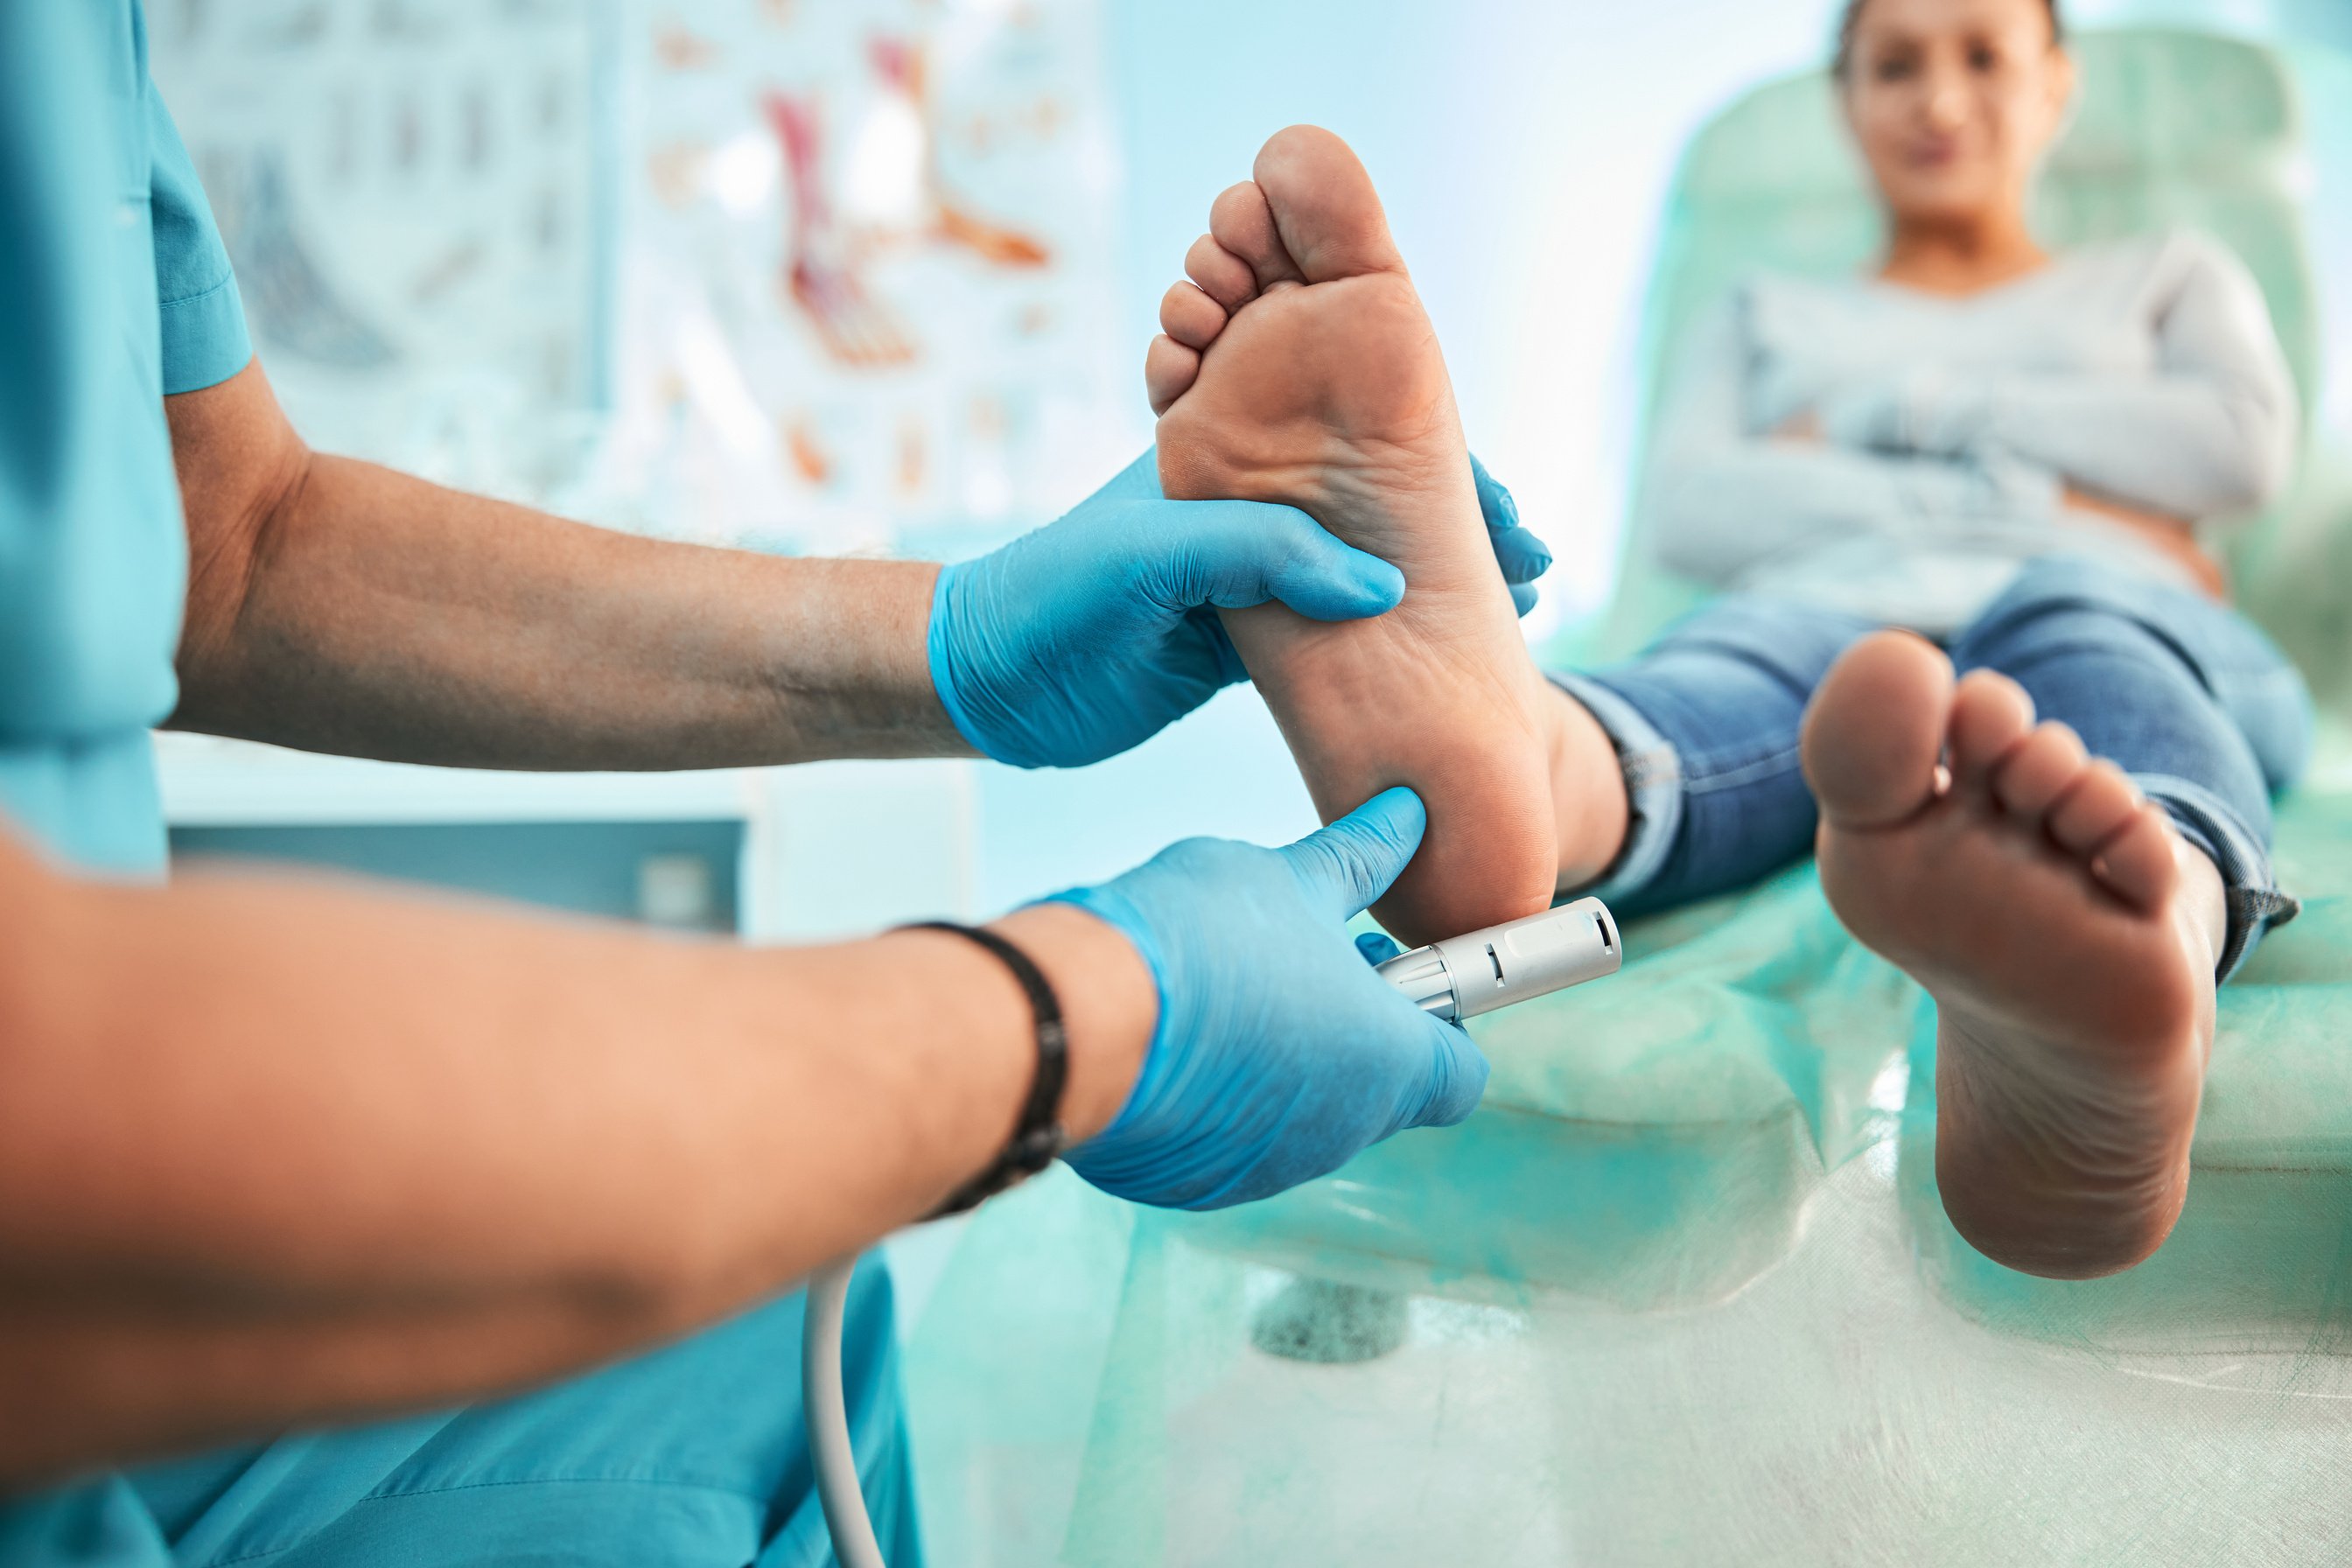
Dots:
pixel 805 276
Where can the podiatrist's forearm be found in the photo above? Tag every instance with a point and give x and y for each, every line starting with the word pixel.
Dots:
pixel 276 1153
pixel 336 605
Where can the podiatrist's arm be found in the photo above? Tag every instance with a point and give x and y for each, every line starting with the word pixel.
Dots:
pixel 276 1151
pixel 339 607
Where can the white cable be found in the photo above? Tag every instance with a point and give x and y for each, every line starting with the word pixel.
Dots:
pixel 827 1414
pixel 1457 978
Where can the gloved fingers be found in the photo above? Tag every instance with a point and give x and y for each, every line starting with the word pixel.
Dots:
pixel 1326 580
pixel 1377 946
pixel 1522 556
pixel 1232 553
pixel 1494 502
pixel 1523 596
pixel 1456 1082
pixel 1346 866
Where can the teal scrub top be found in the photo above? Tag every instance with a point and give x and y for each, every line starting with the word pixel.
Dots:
pixel 115 290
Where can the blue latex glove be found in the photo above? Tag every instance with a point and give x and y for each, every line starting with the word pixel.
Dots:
pixel 1091 635
pixel 1279 1054
pixel 1522 556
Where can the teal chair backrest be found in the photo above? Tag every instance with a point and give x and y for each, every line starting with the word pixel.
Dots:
pixel 2169 128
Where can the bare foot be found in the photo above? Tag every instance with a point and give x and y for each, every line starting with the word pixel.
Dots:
pixel 2068 936
pixel 1298 367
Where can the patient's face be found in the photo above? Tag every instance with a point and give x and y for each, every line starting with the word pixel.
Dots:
pixel 1953 101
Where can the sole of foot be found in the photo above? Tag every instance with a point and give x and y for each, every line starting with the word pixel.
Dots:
pixel 1298 365
pixel 2066 933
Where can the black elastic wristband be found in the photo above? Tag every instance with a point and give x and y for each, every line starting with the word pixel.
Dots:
pixel 1038 1138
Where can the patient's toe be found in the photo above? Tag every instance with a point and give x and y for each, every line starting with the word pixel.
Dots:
pixel 1223 276
pixel 2037 770
pixel 1874 727
pixel 1168 370
pixel 1991 715
pixel 1190 316
pixel 2138 863
pixel 2093 809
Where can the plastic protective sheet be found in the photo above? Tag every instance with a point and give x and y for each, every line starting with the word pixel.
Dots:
pixel 1682 1291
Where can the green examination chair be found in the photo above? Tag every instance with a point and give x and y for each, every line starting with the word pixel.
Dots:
pixel 1681 1290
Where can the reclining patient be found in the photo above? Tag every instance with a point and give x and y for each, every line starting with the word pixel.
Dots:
pixel 1983 458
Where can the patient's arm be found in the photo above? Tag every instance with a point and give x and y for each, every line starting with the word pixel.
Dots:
pixel 2168 536
pixel 2210 430
pixel 1718 499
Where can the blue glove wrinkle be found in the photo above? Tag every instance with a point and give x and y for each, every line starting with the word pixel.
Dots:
pixel 1277 1055
pixel 942 651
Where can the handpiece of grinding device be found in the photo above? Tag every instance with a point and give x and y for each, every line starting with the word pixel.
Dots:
pixel 1480 971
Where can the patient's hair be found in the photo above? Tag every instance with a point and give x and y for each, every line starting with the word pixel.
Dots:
pixel 1842 61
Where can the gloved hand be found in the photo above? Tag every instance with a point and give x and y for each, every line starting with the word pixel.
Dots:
pixel 1522 556
pixel 1091 635
pixel 1279 1054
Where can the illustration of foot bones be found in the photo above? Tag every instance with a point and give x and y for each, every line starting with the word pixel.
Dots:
pixel 902 66
pixel 821 278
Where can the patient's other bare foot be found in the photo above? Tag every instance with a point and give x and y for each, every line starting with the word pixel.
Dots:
pixel 2068 936
pixel 1303 369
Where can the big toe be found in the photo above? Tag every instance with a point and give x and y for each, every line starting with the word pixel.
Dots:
pixel 1324 205
pixel 1874 730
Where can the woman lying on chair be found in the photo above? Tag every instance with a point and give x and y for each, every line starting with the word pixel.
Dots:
pixel 1969 646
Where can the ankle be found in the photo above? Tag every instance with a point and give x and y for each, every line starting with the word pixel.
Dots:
pixel 2202 903
pixel 1591 811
